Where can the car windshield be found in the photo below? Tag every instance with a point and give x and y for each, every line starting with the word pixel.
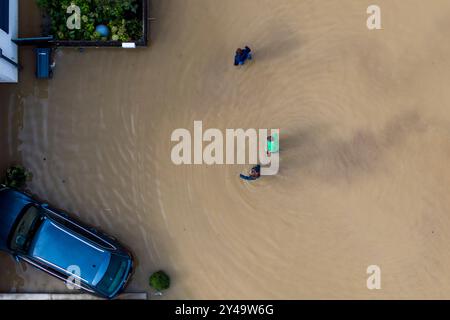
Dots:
pixel 26 229
pixel 114 275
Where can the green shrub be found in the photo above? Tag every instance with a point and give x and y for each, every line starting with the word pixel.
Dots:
pixel 17 177
pixel 159 281
pixel 121 14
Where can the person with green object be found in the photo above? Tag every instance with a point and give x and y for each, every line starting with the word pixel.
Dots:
pixel 273 145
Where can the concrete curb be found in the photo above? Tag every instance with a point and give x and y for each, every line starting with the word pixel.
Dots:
pixel 62 296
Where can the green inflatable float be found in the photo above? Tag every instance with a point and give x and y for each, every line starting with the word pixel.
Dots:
pixel 273 143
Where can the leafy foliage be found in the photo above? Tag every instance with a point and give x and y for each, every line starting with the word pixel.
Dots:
pixel 121 16
pixel 159 281
pixel 17 177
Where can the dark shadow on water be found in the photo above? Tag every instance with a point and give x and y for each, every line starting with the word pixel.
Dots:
pixel 319 153
pixel 283 43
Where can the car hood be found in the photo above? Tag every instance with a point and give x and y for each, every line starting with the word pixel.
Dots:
pixel 11 205
pixel 67 251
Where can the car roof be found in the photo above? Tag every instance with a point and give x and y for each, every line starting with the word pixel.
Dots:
pixel 12 203
pixel 65 250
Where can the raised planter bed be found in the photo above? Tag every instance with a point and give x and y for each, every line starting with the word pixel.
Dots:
pixel 141 14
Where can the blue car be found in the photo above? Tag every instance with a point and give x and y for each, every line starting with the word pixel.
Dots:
pixel 51 241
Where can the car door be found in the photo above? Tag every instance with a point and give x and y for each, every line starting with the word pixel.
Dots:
pixel 104 241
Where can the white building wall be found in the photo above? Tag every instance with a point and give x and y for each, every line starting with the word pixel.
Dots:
pixel 8 72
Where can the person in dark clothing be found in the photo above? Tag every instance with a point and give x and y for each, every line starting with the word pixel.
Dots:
pixel 254 174
pixel 242 55
pixel 237 56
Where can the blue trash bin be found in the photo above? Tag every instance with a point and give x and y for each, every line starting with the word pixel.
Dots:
pixel 43 62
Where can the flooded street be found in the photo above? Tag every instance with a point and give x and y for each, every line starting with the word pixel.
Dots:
pixel 365 144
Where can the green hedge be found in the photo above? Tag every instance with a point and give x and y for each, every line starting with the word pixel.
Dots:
pixel 121 16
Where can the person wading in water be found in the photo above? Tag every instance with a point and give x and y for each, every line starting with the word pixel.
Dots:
pixel 254 174
pixel 242 55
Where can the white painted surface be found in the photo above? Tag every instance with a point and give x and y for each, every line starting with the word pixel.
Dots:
pixel 129 45
pixel 8 72
pixel 62 296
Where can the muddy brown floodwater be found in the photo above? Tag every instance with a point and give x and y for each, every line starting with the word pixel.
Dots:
pixel 365 137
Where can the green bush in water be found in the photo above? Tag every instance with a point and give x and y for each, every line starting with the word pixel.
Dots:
pixel 159 281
